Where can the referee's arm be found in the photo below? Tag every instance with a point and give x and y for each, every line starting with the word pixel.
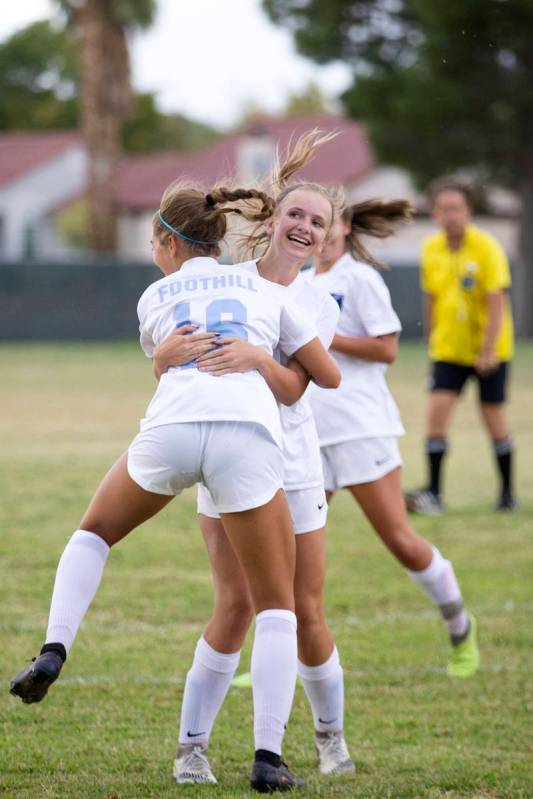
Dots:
pixel 427 307
pixel 487 360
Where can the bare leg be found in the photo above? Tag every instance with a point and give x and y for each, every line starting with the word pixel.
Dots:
pixel 120 505
pixel 319 666
pixel 383 504
pixel 263 541
pixel 227 628
pixel 315 641
pixel 439 412
pixel 233 608
pixel 217 652
pixel 495 420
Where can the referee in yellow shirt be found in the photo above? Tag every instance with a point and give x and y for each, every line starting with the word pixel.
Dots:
pixel 465 281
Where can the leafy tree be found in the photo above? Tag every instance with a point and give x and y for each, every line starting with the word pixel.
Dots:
pixel 442 85
pixel 148 130
pixel 39 90
pixel 310 101
pixel 38 79
pixel 106 97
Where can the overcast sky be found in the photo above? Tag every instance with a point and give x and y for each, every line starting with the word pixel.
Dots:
pixel 209 58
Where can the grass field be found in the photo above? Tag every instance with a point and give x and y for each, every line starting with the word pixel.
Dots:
pixel 109 727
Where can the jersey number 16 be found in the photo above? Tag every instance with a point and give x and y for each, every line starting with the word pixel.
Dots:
pixel 226 317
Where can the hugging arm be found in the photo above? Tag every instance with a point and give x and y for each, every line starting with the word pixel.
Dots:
pixel 319 364
pixel 180 347
pixel 287 383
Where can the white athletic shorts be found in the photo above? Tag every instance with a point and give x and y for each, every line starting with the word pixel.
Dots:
pixel 361 460
pixel 238 461
pixel 307 506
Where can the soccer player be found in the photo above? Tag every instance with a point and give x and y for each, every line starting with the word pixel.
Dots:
pixel 229 438
pixel 294 234
pixel 465 280
pixel 359 423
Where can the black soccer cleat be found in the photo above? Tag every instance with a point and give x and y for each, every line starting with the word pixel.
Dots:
pixel 506 502
pixel 33 683
pixel 267 778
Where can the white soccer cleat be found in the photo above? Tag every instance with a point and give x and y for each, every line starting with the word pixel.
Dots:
pixel 333 754
pixel 191 766
pixel 425 502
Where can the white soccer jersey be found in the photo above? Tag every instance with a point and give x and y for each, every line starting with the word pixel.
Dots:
pixel 301 451
pixel 362 406
pixel 232 302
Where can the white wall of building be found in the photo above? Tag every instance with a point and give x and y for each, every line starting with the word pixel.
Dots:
pixel 405 245
pixel 390 183
pixel 26 202
pixel 255 158
pixel 134 234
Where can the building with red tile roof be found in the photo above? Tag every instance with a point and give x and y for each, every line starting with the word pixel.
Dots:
pixel 39 170
pixel 247 155
pixel 42 173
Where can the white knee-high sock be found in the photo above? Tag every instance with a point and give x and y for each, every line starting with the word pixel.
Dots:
pixel 439 582
pixel 78 576
pixel 206 687
pixel 324 688
pixel 274 659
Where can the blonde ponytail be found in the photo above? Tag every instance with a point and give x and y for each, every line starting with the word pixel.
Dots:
pixel 377 218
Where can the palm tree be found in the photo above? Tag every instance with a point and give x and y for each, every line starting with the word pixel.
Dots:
pixel 101 26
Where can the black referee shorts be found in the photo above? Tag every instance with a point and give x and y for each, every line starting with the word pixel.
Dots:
pixel 453 376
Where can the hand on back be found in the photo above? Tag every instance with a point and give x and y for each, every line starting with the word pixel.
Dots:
pixel 182 346
pixel 233 355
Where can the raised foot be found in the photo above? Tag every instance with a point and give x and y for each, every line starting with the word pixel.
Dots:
pixel 465 659
pixel 33 683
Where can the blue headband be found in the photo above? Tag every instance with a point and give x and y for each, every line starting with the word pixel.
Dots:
pixel 181 235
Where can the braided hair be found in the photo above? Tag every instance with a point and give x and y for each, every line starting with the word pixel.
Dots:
pixel 201 219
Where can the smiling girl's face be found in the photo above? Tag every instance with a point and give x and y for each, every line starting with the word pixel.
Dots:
pixel 300 224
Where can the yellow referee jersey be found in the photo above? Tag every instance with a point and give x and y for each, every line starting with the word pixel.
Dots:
pixel 458 281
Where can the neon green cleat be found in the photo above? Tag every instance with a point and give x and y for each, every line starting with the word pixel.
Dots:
pixel 243 680
pixel 464 661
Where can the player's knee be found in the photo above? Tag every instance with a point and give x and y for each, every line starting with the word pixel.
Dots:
pixel 309 615
pixel 102 528
pixel 437 426
pixel 237 612
pixel 401 541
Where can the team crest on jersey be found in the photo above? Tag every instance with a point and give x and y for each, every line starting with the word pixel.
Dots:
pixel 468 281
pixel 338 298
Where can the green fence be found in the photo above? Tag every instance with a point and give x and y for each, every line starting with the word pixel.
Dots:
pixel 97 300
